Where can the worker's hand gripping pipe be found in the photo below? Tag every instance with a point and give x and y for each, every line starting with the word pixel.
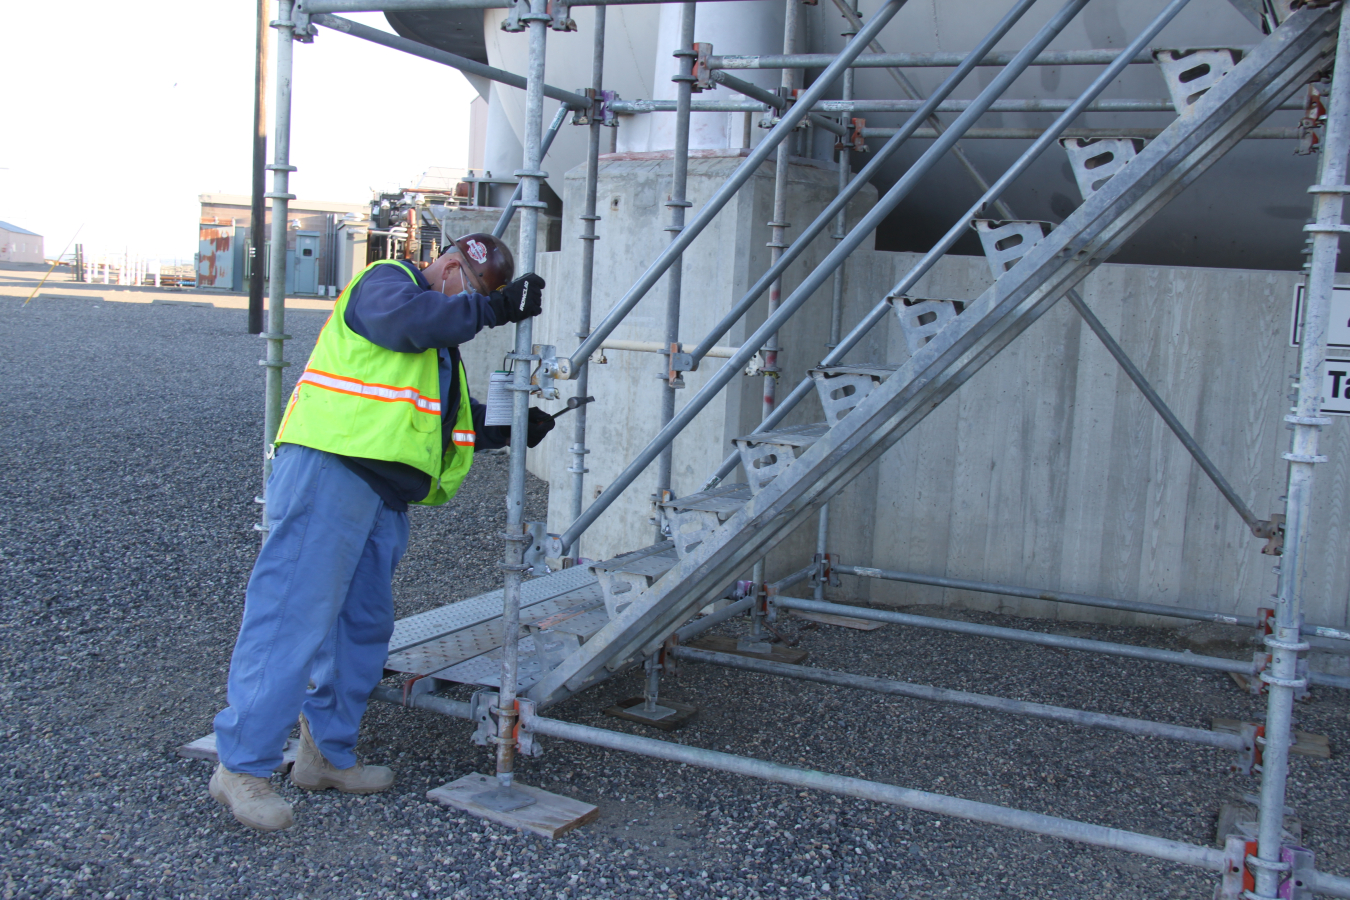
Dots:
pixel 961 226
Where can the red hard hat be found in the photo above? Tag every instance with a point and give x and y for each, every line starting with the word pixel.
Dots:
pixel 489 259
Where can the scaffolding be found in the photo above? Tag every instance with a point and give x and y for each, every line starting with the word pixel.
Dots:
pixel 586 623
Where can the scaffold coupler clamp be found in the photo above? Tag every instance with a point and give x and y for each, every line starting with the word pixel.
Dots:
pixel 598 113
pixel 854 139
pixel 1295 866
pixel 702 71
pixel 764 594
pixel 560 15
pixel 536 551
pixel 665 658
pixel 1314 117
pixel 1247 761
pixel 679 362
pixel 527 742
pixel 517 17
pixel 481 707
pixel 545 376
pixel 1272 532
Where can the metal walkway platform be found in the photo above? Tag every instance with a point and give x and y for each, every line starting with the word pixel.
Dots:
pixel 462 641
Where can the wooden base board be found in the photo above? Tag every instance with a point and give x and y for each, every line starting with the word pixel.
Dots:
pixel 624 709
pixel 832 619
pixel 721 643
pixel 205 748
pixel 550 816
pixel 1305 743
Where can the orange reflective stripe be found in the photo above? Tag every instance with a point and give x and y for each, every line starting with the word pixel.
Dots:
pixel 463 438
pixel 382 392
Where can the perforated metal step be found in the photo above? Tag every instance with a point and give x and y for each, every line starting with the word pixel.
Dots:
pixel 652 561
pixel 454 617
pixel 724 500
pixel 880 371
pixel 793 436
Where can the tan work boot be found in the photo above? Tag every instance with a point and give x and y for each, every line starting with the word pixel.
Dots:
pixel 251 799
pixel 314 773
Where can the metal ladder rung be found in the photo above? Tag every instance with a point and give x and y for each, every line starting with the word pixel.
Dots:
pixel 726 498
pixel 652 561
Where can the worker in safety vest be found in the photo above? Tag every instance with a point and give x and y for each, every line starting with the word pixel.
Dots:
pixel 380 418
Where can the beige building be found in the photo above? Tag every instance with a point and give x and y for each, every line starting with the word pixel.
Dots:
pixel 19 244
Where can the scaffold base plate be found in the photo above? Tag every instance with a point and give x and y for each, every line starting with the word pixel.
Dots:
pixel 721 643
pixel 550 815
pixel 631 710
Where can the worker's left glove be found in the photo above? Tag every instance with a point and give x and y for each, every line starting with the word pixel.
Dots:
pixel 518 300
pixel 541 423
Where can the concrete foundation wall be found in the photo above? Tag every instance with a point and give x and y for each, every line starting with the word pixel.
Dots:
pixel 1047 469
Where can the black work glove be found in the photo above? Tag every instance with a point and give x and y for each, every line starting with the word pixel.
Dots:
pixel 519 300
pixel 540 424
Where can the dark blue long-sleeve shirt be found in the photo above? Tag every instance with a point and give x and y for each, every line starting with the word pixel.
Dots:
pixel 407 316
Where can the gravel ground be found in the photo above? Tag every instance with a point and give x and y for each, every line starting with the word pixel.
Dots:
pixel 129 440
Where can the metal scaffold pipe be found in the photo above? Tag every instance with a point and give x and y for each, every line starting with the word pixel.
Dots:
pixel 817 277
pixel 1010 590
pixel 744 172
pixel 317 6
pixel 586 291
pixel 280 196
pixel 1059 641
pixel 504 220
pixel 516 535
pixel 938 804
pixel 1141 727
pixel 413 48
pixel 677 204
pixel 1286 642
pixel 960 228
pixel 921 60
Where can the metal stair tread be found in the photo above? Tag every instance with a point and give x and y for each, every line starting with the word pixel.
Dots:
pixel 794 436
pixel 724 498
pixel 427 626
pixel 876 370
pixel 653 560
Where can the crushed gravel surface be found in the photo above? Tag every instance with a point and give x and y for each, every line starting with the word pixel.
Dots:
pixel 129 439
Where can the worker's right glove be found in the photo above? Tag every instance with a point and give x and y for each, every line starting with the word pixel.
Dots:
pixel 519 300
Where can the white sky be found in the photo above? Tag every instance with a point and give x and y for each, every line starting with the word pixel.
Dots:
pixel 116 116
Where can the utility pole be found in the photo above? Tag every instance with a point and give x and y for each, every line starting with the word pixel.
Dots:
pixel 257 230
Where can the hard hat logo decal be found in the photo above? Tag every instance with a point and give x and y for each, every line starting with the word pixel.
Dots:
pixel 477 252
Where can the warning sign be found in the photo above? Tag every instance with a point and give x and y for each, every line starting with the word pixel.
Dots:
pixel 1338 329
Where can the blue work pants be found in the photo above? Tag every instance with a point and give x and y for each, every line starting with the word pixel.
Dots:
pixel 319 608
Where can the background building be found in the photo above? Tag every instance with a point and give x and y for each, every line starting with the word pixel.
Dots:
pixel 19 244
pixel 312 238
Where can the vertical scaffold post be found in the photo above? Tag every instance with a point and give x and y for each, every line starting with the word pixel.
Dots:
pixel 836 297
pixel 777 241
pixel 678 203
pixel 258 215
pixel 516 536
pixel 588 238
pixel 1286 643
pixel 280 196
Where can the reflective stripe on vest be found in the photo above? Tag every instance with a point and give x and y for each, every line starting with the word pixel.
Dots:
pixel 463 438
pixel 385 392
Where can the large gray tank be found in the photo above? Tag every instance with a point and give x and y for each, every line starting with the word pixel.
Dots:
pixel 1247 212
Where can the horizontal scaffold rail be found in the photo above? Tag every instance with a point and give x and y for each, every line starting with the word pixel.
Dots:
pixel 922 60
pixel 633 107
pixel 350 6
